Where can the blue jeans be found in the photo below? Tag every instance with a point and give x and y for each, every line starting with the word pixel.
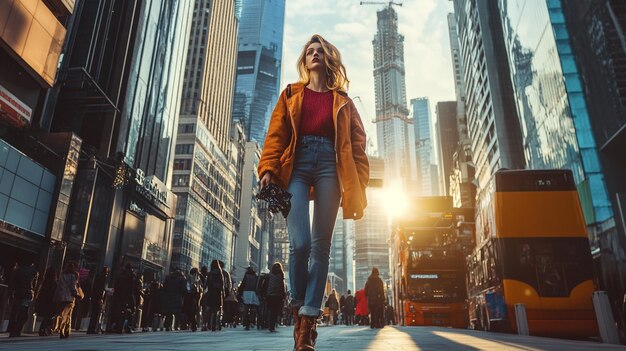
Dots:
pixel 309 248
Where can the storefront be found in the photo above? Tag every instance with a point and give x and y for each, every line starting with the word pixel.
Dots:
pixel 147 226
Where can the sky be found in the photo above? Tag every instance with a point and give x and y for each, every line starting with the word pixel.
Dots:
pixel 351 28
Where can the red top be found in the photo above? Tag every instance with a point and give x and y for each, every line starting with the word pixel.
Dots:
pixel 361 303
pixel 317 114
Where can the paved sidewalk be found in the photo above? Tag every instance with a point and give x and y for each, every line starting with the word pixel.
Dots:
pixel 337 338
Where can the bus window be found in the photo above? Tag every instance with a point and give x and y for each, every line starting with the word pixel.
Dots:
pixel 553 266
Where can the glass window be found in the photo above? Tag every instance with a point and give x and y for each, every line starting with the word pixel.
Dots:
pixel 184 149
pixel 4 153
pixel 24 191
pixel 3 204
pixel 6 183
pixel 30 171
pixel 553 266
pixel 19 214
pixel 40 220
pixel 44 200
pixel 180 164
pixel 47 181
pixel 12 160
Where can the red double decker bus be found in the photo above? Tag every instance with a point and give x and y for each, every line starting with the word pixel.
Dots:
pixel 428 254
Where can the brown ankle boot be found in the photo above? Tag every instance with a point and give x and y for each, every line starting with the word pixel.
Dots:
pixel 305 334
pixel 296 326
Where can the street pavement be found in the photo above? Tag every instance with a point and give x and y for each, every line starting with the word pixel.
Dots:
pixel 336 338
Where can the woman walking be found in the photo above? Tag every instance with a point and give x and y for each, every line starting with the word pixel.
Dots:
pixel 333 305
pixel 44 306
pixel 65 296
pixel 315 148
pixel 275 292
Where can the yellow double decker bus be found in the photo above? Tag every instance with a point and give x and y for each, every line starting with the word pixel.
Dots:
pixel 532 248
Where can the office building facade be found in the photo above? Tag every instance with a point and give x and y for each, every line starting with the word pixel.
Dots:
pixel 209 149
pixel 492 122
pixel 248 246
pixel 462 187
pixel 121 96
pixel 34 164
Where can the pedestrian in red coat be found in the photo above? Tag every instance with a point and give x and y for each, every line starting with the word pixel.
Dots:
pixel 361 307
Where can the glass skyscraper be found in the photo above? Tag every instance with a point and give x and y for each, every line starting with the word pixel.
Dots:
pixel 447 140
pixel 596 28
pixel 492 123
pixel 258 65
pixel 550 101
pixel 150 115
pixel 423 147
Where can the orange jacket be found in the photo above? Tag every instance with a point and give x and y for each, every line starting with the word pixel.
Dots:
pixel 352 164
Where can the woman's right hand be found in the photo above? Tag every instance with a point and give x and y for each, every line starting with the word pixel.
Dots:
pixel 265 181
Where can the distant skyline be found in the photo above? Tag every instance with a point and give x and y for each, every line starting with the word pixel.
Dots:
pixel 351 27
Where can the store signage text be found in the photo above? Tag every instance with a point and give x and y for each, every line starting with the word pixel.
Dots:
pixel 133 207
pixel 150 189
pixel 16 109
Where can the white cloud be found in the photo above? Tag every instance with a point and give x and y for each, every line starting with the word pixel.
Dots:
pixel 352 27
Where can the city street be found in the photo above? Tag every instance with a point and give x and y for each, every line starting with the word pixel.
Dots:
pixel 333 338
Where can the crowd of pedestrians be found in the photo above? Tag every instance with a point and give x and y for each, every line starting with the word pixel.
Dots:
pixel 368 306
pixel 204 298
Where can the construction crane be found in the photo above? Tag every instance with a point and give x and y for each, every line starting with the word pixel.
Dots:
pixel 381 3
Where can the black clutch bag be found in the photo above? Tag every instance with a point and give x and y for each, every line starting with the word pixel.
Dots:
pixel 278 199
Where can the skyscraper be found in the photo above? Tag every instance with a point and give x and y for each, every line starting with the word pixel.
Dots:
pixel 462 187
pixel 596 30
pixel 258 65
pixel 493 126
pixel 372 231
pixel 557 131
pixel 120 93
pixel 208 155
pixel 249 238
pixel 423 146
pixel 551 102
pixel 392 124
pixel 338 253
pixel 448 139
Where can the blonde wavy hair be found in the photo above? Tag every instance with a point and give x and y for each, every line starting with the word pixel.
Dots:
pixel 336 77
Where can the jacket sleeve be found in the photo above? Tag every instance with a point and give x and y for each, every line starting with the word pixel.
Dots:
pixel 277 139
pixel 357 135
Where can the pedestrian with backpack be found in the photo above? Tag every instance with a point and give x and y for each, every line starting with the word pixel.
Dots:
pixel 248 291
pixel 214 297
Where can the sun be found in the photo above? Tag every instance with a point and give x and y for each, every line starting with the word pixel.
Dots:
pixel 395 199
